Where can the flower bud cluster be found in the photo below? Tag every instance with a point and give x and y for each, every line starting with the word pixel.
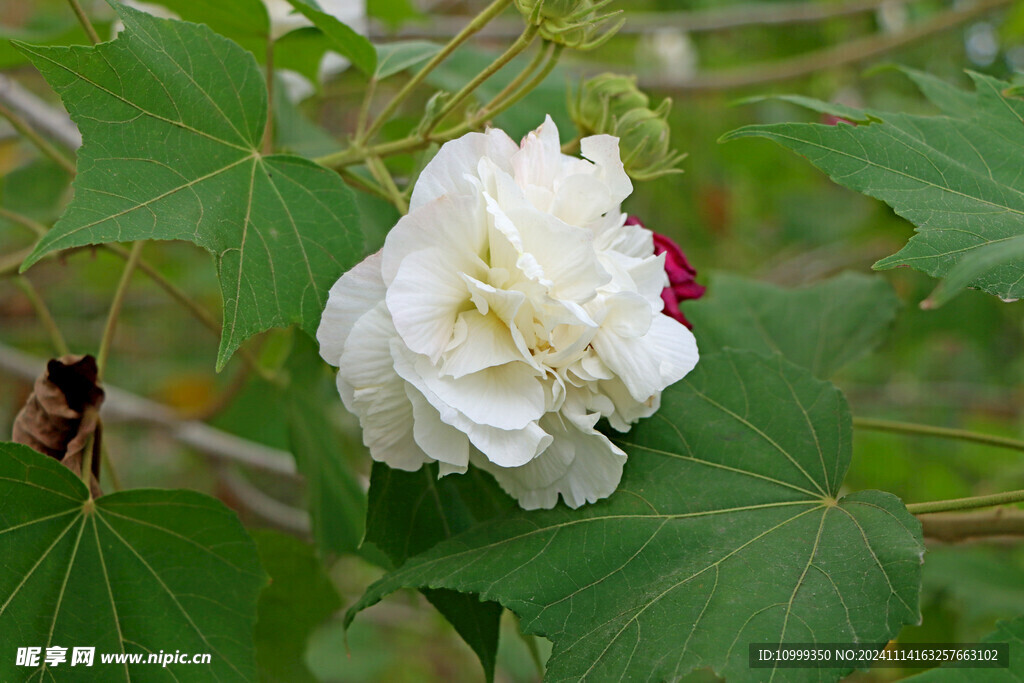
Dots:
pixel 614 105
pixel 577 24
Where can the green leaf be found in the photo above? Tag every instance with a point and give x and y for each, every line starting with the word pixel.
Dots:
pixel 410 512
pixel 1011 632
pixel 821 327
pixel 395 57
pixel 302 51
pixel 337 504
pixel 299 598
pixel 343 39
pixel 727 529
pixel 956 176
pixel 244 21
pixel 132 572
pixel 392 12
pixel 974 265
pixel 172 117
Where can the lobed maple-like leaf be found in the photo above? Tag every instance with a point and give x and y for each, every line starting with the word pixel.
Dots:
pixel 956 176
pixel 172 117
pixel 728 529
pixel 133 572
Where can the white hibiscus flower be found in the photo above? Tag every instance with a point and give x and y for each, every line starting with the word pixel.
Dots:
pixel 507 313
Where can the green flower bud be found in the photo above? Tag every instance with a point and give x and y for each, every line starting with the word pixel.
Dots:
pixel 573 23
pixel 604 99
pixel 644 142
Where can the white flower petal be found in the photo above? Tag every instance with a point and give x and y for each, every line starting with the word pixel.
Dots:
pixel 648 364
pixel 355 293
pixel 507 396
pixel 425 299
pixel 603 150
pixel 370 388
pixel 510 447
pixel 446 173
pixel 455 225
pixel 486 342
pixel 440 441
pixel 593 473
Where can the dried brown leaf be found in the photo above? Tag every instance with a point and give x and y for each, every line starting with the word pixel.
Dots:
pixel 61 416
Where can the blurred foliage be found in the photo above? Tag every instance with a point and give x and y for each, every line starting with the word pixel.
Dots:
pixel 747 207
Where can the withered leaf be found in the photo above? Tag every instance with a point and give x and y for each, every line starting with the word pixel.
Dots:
pixel 63 412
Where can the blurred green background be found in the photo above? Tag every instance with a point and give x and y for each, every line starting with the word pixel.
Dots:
pixel 748 207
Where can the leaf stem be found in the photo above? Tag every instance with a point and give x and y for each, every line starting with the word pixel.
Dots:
pixel 193 307
pixel 514 50
pixel 22 126
pixel 383 176
pixel 38 228
pixel 940 432
pixel 970 503
pixel 952 527
pixel 411 143
pixel 44 315
pixel 108 464
pixel 115 305
pixel 84 21
pixel 478 22
pixel 364 184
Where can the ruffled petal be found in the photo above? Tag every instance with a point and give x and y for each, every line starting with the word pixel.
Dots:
pixel 440 441
pixel 486 341
pixel 446 174
pixel 355 293
pixel 648 364
pixel 455 225
pixel 425 299
pixel 593 473
pixel 507 396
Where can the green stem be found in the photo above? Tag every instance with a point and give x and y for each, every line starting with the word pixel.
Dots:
pixel 478 22
pixel 10 264
pixel 966 503
pixel 383 176
pixel 364 107
pixel 84 21
pixel 44 315
pixel 511 53
pixel 43 145
pixel 364 184
pixel 107 464
pixel 941 432
pixel 193 307
pixel 496 107
pixel 38 228
pixel 115 305
pixel 417 141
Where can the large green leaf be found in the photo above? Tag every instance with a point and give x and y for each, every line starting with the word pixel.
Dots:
pixel 132 572
pixel 1011 632
pixel 822 327
pixel 955 176
pixel 727 529
pixel 299 598
pixel 172 116
pixel 410 512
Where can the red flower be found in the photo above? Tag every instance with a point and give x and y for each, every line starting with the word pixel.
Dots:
pixel 681 283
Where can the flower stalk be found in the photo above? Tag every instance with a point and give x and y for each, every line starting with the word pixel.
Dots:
pixel 481 20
